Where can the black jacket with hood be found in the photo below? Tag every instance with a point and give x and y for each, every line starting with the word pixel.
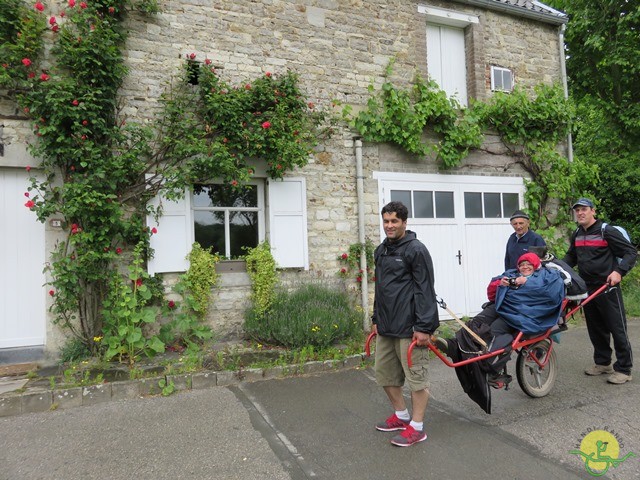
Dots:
pixel 405 299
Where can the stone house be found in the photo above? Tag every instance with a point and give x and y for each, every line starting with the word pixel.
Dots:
pixel 471 48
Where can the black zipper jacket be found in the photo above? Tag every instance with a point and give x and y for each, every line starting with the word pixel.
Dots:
pixel 594 251
pixel 405 299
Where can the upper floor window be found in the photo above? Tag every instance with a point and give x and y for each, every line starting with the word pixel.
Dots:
pixel 501 79
pixel 446 51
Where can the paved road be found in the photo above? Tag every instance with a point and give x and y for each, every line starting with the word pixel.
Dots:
pixel 322 427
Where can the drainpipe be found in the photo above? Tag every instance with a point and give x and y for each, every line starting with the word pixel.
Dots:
pixel 361 236
pixel 563 71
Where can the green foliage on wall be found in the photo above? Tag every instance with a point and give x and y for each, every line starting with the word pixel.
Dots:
pixel 261 267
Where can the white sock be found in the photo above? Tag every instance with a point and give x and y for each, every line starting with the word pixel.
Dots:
pixel 403 414
pixel 417 425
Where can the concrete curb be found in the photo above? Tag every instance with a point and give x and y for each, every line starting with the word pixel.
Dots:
pixel 38 399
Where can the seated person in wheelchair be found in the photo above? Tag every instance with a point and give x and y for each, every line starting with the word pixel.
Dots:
pixel 527 299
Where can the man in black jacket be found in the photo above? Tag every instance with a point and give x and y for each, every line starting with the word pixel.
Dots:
pixel 596 251
pixel 404 310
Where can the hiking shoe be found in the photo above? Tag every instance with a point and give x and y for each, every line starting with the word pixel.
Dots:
pixel 618 378
pixel 599 370
pixel 392 424
pixel 499 381
pixel 409 437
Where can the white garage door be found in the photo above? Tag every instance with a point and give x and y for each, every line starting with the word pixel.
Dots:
pixel 22 257
pixel 464 222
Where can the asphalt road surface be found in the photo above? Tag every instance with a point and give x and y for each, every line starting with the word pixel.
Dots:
pixel 322 427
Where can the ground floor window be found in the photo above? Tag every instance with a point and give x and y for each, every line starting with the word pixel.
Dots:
pixel 226 218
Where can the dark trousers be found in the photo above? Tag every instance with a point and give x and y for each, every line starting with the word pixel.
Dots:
pixel 606 318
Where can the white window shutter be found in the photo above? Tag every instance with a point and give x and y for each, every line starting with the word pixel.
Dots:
pixel 288 222
pixel 446 62
pixel 173 241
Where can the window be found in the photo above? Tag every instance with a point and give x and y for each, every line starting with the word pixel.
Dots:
pixel 426 204
pixel 446 55
pixel 501 79
pixel 228 219
pixel 490 205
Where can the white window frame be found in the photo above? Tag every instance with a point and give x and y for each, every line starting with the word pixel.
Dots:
pixel 227 229
pixel 497 79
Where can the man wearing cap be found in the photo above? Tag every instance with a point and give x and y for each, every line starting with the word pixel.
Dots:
pixel 520 240
pixel 595 250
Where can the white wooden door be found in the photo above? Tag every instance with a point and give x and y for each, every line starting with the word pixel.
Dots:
pixel 22 258
pixel 465 229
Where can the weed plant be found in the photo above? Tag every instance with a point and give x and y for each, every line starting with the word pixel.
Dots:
pixel 312 314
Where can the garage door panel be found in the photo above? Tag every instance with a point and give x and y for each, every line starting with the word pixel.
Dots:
pixel 484 260
pixel 22 258
pixel 448 272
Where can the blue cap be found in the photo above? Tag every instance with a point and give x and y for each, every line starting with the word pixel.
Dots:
pixel 583 202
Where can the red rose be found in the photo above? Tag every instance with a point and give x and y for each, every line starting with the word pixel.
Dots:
pixel 358 279
pixel 207 61
pixel 52 293
pixel 311 105
pixel 84 137
pixel 192 56
pixel 266 125
pixel 26 194
pixel 75 103
pixel 118 251
pixel 247 87
pixel 62 14
pixel 171 304
pixel 52 21
pixel 343 270
pixel 26 62
pixel 234 183
pixel 28 168
pixel 154 230
pixel 345 256
pixel 112 10
pixel 278 167
pixel 83 5
pixel 39 6
pixel 268 74
pixel 44 77
pixel 31 75
pixel 30 204
pixel 139 282
pixel 55 28
pixel 72 3
pixel 85 122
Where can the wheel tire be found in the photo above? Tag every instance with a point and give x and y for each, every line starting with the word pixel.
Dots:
pixel 533 380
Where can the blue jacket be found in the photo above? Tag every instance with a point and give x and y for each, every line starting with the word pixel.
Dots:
pixel 516 247
pixel 535 306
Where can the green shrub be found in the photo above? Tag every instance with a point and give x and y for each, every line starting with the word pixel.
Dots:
pixel 312 314
pixel 261 267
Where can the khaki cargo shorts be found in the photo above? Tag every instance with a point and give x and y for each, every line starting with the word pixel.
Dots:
pixel 392 368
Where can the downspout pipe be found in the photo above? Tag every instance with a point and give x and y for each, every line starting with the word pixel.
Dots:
pixel 563 71
pixel 364 285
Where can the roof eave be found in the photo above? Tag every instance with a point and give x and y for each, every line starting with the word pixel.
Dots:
pixel 518 11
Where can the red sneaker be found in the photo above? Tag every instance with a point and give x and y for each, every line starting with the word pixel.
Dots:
pixel 392 424
pixel 409 437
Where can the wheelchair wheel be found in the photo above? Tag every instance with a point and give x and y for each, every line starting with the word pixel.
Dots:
pixel 534 380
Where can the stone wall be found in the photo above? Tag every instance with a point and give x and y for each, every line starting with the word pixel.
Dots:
pixel 338 48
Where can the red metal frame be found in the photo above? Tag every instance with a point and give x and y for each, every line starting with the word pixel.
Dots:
pixel 518 342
